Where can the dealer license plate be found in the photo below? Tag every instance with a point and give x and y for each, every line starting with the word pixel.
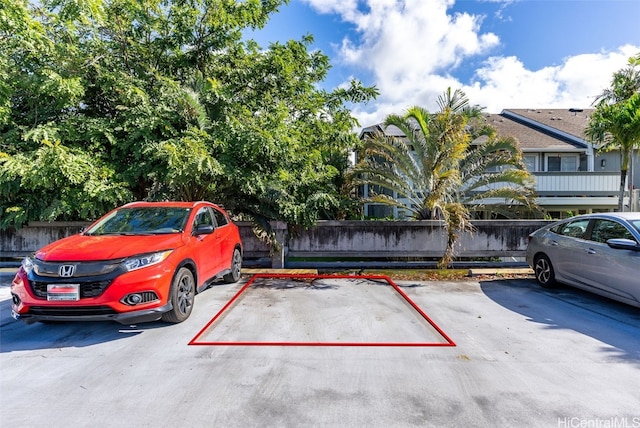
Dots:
pixel 63 292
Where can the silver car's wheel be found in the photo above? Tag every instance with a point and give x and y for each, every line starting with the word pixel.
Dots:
pixel 236 267
pixel 543 270
pixel 182 295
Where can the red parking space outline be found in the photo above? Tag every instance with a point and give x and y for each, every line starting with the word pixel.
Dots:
pixel 196 341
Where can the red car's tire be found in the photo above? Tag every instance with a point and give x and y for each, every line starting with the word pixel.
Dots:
pixel 236 267
pixel 182 296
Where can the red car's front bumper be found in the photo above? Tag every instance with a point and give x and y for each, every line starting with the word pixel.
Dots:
pixel 153 283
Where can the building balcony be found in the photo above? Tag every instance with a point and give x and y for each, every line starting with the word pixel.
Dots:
pixel 579 183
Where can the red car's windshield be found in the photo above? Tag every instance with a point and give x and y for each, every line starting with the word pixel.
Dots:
pixel 142 221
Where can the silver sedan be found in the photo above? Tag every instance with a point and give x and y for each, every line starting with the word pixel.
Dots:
pixel 595 252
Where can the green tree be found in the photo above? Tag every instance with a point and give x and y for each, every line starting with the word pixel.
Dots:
pixel 61 176
pixel 166 97
pixel 435 172
pixel 286 142
pixel 615 124
pixel 40 177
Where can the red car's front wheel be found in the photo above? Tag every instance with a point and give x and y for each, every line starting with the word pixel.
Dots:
pixel 182 295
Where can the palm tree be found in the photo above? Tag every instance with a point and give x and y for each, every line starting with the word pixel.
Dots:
pixel 494 176
pixel 435 172
pixel 615 124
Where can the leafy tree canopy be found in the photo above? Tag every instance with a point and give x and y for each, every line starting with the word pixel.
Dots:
pixel 615 124
pixel 164 99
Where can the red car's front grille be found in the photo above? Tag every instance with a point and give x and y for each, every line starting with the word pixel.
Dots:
pixel 71 311
pixel 87 289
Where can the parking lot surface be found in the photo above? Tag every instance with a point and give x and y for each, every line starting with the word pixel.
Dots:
pixel 336 352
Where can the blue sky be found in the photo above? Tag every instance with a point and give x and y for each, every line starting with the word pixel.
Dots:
pixel 502 53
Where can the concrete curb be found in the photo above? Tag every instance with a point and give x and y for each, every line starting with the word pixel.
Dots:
pixel 500 271
pixel 280 271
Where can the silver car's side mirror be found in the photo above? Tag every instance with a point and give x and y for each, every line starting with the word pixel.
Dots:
pixel 623 244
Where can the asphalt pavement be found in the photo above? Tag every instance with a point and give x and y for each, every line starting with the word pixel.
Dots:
pixel 345 352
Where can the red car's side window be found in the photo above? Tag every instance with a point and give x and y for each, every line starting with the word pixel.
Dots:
pixel 221 219
pixel 203 217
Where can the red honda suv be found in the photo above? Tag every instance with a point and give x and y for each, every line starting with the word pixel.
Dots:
pixel 144 261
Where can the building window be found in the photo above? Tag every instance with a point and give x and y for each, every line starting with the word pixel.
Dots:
pixel 531 161
pixel 379 211
pixel 562 163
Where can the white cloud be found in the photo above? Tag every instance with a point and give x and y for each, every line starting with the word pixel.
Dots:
pixel 504 82
pixel 347 9
pixel 408 40
pixel 411 48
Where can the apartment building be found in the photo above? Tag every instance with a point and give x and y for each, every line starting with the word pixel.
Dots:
pixel 571 176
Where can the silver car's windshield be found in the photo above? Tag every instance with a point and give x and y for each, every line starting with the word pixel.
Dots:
pixel 636 224
pixel 142 221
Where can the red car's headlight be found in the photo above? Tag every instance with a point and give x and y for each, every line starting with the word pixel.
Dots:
pixel 144 260
pixel 27 264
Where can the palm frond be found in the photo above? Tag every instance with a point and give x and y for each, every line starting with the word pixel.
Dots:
pixel 434 172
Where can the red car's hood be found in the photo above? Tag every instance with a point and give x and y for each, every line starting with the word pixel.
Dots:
pixel 87 248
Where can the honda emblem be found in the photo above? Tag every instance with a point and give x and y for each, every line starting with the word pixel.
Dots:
pixel 66 271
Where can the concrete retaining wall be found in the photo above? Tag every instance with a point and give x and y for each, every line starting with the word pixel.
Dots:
pixel 356 240
pixel 491 238
pixel 19 243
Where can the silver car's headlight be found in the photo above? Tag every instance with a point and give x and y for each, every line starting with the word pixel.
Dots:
pixel 145 260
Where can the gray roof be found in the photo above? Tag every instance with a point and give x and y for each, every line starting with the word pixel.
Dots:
pixel 537 130
pixel 391 130
pixel 571 121
pixel 546 129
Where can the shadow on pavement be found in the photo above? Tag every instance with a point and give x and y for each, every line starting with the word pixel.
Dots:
pixel 19 336
pixel 605 320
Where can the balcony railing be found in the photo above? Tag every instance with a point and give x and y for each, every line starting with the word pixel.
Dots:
pixel 580 183
pixel 565 190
